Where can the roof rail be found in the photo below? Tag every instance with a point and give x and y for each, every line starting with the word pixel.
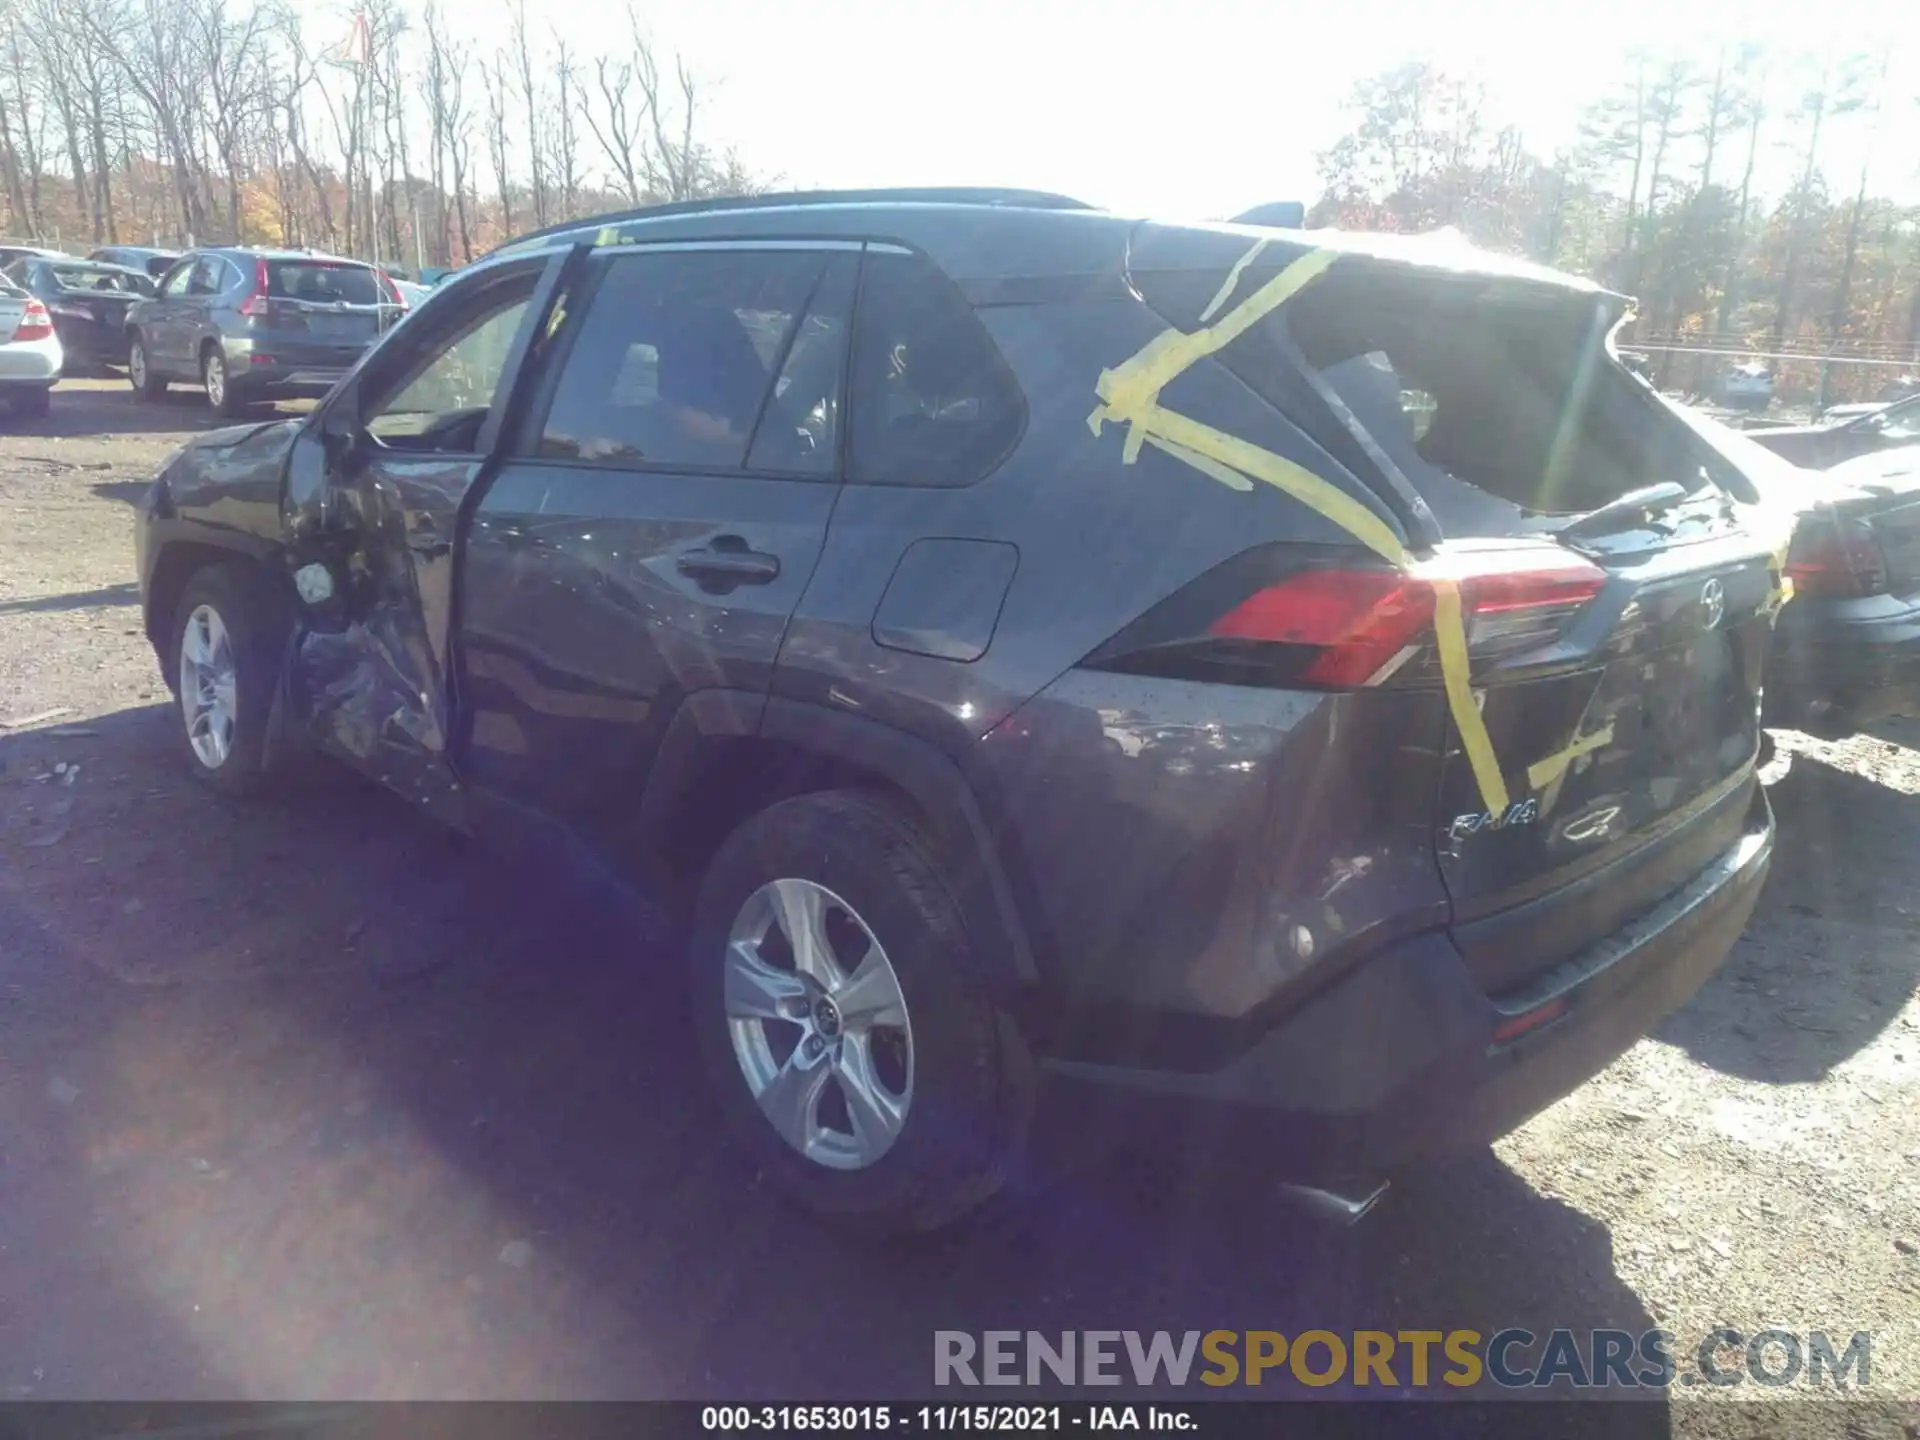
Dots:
pixel 924 195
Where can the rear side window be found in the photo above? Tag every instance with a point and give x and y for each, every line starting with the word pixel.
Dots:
pixel 323 283
pixel 676 357
pixel 933 404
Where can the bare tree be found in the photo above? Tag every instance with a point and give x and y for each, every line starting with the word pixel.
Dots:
pixel 531 97
pixel 498 143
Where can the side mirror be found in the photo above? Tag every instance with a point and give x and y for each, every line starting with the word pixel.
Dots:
pixel 339 420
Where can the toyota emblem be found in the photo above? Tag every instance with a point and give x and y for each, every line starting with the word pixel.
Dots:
pixel 1713 603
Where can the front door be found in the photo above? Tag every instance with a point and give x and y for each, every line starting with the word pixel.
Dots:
pixel 655 525
pixel 375 500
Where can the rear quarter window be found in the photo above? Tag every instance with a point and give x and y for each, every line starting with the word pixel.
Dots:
pixel 933 402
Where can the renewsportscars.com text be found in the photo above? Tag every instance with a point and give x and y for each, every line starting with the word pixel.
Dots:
pixel 1512 1358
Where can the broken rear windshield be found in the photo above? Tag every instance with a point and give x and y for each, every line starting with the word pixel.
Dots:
pixel 111 282
pixel 1496 398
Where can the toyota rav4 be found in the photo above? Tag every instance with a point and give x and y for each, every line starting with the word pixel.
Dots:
pixel 1279 684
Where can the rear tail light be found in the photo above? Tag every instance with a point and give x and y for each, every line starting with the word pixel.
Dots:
pixel 393 291
pixel 1835 557
pixel 257 306
pixel 1341 627
pixel 36 323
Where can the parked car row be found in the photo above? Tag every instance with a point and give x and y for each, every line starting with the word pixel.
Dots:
pixel 246 325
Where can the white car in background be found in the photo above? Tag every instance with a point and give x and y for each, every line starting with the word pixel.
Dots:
pixel 30 353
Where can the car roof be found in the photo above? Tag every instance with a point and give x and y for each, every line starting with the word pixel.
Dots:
pixel 88 263
pixel 998 234
pixel 267 252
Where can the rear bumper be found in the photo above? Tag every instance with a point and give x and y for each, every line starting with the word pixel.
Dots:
pixel 262 369
pixel 1398 1062
pixel 1838 666
pixel 32 364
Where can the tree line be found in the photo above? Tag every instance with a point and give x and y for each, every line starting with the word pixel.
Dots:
pixel 1659 195
pixel 168 121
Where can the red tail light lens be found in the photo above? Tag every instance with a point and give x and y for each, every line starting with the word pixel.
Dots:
pixel 1343 627
pixel 256 305
pixel 1836 558
pixel 1518 600
pixel 36 323
pixel 393 290
pixel 1358 621
pixel 1365 623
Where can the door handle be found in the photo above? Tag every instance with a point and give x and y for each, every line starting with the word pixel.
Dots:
pixel 729 560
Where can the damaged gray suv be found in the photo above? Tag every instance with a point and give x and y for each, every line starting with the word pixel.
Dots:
pixel 1281 691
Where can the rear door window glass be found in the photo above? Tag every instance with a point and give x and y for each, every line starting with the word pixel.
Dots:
pixel 676 356
pixel 800 427
pixel 934 404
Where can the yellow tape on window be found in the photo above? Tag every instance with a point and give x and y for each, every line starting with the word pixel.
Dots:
pixel 1130 393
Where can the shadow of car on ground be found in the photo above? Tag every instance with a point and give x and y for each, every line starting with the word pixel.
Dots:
pixel 344 1109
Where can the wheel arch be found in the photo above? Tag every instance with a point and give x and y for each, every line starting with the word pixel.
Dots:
pixel 727 755
pixel 176 562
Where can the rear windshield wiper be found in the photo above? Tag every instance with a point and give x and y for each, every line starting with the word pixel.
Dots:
pixel 1617 514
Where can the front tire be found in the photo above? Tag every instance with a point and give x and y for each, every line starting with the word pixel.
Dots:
pixel 228 641
pixel 857 1055
pixel 146 384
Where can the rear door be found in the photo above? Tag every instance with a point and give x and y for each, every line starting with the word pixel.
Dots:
pixel 191 319
pixel 160 321
pixel 377 491
pixel 660 517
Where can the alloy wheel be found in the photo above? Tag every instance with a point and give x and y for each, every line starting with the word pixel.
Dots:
pixel 819 1024
pixel 208 673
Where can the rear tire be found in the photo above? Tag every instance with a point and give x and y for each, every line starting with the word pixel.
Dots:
pixel 31 404
pixel 146 384
pixel 941 1060
pixel 228 640
pixel 224 396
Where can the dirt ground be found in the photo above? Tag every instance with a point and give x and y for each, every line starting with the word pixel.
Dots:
pixel 304 1101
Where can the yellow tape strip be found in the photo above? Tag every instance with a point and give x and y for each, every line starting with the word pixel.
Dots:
pixel 1131 396
pixel 1451 633
pixel 1232 282
pixel 1543 773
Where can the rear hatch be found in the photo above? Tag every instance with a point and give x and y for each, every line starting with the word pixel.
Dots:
pixel 1615 606
pixel 13 305
pixel 325 312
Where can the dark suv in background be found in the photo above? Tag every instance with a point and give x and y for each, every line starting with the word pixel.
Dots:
pixel 154 262
pixel 1298 686
pixel 256 325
